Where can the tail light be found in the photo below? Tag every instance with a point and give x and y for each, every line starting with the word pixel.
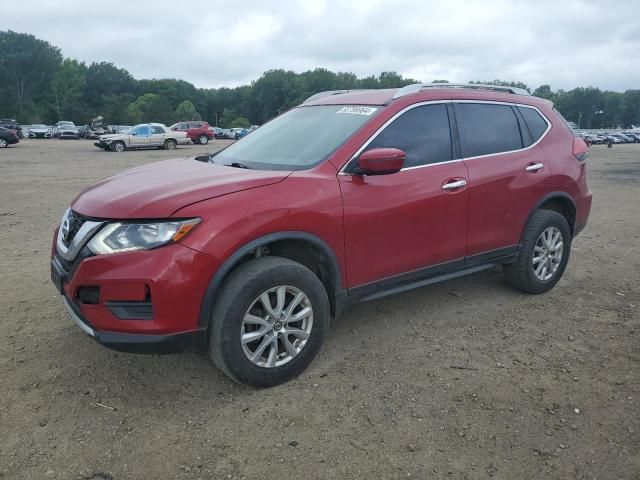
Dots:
pixel 580 149
pixel 13 132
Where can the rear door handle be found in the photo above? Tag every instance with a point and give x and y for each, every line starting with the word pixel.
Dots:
pixel 455 184
pixel 534 167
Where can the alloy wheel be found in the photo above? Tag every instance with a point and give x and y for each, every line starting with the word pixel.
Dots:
pixel 547 253
pixel 276 326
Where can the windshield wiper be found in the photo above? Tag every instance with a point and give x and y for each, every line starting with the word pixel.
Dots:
pixel 237 165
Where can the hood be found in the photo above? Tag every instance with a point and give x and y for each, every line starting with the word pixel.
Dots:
pixel 159 189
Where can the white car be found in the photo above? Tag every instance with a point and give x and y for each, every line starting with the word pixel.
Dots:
pixel 144 135
pixel 39 131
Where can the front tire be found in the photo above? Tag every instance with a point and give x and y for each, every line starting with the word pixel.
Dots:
pixel 269 322
pixel 543 253
pixel 203 140
pixel 118 147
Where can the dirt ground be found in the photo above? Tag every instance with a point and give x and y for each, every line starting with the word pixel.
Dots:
pixel 467 379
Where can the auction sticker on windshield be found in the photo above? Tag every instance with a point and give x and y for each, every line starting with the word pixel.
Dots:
pixel 358 110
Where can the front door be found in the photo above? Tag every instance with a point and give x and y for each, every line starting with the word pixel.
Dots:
pixel 407 221
pixel 140 137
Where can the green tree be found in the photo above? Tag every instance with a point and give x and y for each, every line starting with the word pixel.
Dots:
pixel 105 79
pixel 240 122
pixel 68 85
pixel 150 107
pixel 27 66
pixel 186 111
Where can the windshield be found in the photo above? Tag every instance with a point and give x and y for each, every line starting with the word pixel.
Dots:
pixel 39 126
pixel 66 124
pixel 297 140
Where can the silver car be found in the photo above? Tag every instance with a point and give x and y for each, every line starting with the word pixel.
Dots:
pixel 144 135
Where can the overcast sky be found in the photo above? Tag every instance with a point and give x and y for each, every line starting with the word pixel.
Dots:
pixel 565 43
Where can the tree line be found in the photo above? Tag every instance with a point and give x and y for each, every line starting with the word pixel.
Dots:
pixel 39 85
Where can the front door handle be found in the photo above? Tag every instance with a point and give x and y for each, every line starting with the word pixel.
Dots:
pixel 534 167
pixel 455 184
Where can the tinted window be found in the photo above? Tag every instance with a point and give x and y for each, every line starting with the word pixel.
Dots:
pixel 537 125
pixel 487 128
pixel 422 132
pixel 156 129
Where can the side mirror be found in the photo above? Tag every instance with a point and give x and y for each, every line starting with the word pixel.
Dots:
pixel 134 133
pixel 380 161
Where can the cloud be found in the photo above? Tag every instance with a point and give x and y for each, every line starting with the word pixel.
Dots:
pixel 565 44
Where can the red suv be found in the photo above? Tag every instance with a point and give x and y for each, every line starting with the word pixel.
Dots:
pixel 197 131
pixel 351 196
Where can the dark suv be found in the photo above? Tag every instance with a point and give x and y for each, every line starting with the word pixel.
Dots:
pixel 349 197
pixel 197 131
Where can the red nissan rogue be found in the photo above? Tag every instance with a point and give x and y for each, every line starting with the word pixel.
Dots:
pixel 351 196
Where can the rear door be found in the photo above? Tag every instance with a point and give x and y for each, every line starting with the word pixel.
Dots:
pixel 404 222
pixel 507 172
pixel 158 135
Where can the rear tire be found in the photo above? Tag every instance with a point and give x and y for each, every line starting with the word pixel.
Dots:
pixel 170 145
pixel 203 140
pixel 289 346
pixel 3 143
pixel 542 255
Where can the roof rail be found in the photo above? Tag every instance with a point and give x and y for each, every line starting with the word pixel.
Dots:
pixel 329 93
pixel 416 87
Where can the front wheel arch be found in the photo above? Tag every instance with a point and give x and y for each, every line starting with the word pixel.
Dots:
pixel 333 282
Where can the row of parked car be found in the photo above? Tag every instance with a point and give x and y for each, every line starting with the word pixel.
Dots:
pixel 157 135
pixel 198 131
pixel 615 137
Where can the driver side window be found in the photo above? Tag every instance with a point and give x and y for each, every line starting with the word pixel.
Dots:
pixel 143 131
pixel 422 132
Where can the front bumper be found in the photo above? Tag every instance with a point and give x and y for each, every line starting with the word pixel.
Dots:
pixel 138 343
pixel 139 301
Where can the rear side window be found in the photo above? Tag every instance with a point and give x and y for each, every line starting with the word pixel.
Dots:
pixel 155 129
pixel 537 125
pixel 422 132
pixel 487 128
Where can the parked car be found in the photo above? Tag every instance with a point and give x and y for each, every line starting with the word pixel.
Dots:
pixel 197 131
pixel 634 136
pixel 12 124
pixel 234 133
pixel 217 132
pixel 65 129
pixel 251 251
pixel 240 132
pixel 145 135
pixel 8 137
pixel 39 131
pixel 623 137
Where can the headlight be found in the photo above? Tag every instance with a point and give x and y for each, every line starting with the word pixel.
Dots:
pixel 124 237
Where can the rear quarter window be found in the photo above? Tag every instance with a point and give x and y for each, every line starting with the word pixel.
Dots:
pixel 487 128
pixel 537 125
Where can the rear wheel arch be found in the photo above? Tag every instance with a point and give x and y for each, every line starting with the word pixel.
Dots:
pixel 302 247
pixel 560 202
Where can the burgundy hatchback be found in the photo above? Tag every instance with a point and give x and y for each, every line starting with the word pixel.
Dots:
pixel 351 196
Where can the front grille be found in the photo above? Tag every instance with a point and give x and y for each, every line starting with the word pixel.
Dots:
pixel 75 223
